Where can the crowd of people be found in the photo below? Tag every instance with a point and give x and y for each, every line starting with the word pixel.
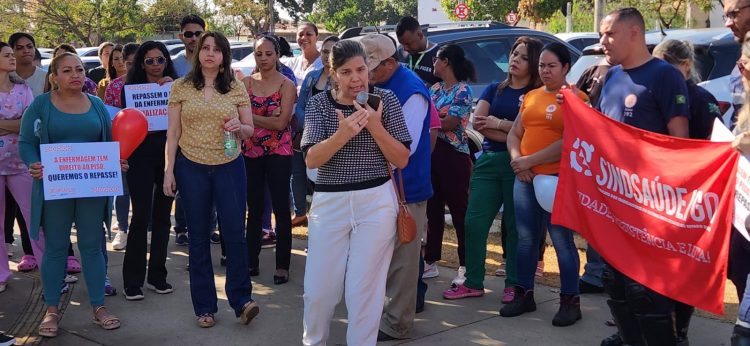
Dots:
pixel 237 147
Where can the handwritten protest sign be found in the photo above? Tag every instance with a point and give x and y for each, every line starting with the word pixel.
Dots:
pixel 75 170
pixel 151 99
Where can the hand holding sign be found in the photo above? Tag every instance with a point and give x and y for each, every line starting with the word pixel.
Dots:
pixel 129 128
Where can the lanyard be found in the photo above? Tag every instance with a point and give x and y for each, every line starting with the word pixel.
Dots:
pixel 412 67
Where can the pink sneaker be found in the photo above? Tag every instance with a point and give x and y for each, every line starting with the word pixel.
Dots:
pixel 508 294
pixel 461 291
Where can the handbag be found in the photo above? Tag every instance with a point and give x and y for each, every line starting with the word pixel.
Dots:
pixel 406 226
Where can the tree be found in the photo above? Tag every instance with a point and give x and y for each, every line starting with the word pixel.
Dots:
pixel 481 9
pixel 250 14
pixel 165 15
pixel 338 15
pixel 88 22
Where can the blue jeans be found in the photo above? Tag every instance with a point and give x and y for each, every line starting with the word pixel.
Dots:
pixel 299 184
pixel 180 224
pixel 592 271
pixel 744 313
pixel 531 220
pixel 202 187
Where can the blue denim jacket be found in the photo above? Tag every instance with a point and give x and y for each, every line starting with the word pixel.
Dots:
pixel 305 93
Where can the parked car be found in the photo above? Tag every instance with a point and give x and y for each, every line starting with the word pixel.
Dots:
pixel 88 51
pixel 716 53
pixel 173 49
pixel 579 40
pixel 89 62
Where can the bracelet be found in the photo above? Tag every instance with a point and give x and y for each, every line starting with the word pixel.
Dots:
pixel 499 124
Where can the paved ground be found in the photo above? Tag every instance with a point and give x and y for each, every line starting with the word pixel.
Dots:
pixel 169 320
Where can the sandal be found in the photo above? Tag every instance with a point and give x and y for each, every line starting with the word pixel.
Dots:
pixel 27 264
pixel 73 265
pixel 206 320
pixel 107 321
pixel 48 327
pixel 249 311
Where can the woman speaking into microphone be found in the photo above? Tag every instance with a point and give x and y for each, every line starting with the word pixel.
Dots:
pixel 352 220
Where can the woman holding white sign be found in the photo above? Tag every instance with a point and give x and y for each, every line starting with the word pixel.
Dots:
pixel 67 115
pixel 208 110
pixel 15 97
pixel 145 178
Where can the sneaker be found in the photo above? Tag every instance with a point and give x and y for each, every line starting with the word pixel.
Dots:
pixel 460 277
pixel 508 294
pixel 268 241
pixel 501 271
pixel 109 290
pixel 215 237
pixel 539 269
pixel 460 291
pixel 181 239
pixel 70 279
pixel 133 293
pixel 65 288
pixel 7 340
pixel 3 286
pixel 430 271
pixel 162 288
pixel 120 241
pixel 569 312
pixel 523 302
pixel 585 287
pixel 9 249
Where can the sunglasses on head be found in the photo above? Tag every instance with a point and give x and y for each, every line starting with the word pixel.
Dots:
pixel 155 61
pixel 190 34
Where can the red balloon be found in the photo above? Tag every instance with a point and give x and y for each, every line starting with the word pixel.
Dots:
pixel 129 127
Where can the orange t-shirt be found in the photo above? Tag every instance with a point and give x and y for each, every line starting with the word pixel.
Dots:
pixel 542 121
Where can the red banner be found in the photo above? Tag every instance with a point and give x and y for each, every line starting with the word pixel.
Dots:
pixel 657 208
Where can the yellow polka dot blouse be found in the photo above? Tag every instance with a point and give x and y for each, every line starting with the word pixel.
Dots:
pixel 202 138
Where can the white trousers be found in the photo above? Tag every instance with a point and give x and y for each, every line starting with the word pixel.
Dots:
pixel 351 236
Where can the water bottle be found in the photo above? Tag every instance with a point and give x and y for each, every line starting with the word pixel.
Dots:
pixel 230 144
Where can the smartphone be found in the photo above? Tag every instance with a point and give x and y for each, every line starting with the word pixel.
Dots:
pixel 372 100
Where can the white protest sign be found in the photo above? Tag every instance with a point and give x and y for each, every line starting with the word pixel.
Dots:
pixel 742 190
pixel 75 170
pixel 151 99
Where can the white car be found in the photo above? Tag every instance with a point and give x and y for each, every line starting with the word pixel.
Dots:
pixel 579 40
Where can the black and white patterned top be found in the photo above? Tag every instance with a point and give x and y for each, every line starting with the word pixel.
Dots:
pixel 359 164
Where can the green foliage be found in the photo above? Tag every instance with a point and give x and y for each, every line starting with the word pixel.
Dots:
pixel 583 18
pixel 338 15
pixel 165 15
pixel 481 9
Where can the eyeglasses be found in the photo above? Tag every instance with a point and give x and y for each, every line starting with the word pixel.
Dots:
pixel 732 15
pixel 190 34
pixel 157 61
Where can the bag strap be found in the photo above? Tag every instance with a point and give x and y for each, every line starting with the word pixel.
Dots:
pixel 399 188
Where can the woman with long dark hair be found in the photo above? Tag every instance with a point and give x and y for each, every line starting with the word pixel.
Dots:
pixel 16 96
pixel 492 178
pixel 268 154
pixel 535 146
pixel 145 178
pixel 115 68
pixel 208 110
pixel 451 164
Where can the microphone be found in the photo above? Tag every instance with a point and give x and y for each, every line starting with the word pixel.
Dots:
pixel 362 98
